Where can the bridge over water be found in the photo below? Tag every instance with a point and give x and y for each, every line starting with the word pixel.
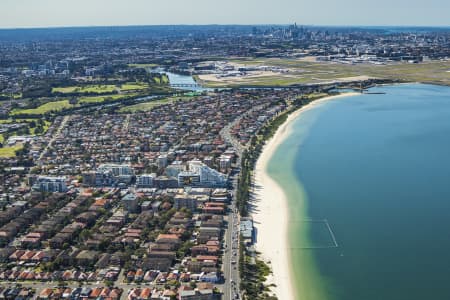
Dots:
pixel 185 85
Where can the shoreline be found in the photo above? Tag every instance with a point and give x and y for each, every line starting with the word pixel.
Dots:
pixel 271 215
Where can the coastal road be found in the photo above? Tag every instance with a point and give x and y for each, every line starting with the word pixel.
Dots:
pixel 231 240
pixel 231 252
pixel 231 255
pixel 230 261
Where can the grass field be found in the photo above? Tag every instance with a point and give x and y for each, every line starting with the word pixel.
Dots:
pixel 146 106
pixel 45 128
pixel 7 121
pixel 47 107
pixel 99 89
pixel 142 65
pixel 164 80
pixel 8 152
pixel 96 99
pixel 301 71
pixel 133 86
pixel 99 99
pixel 64 104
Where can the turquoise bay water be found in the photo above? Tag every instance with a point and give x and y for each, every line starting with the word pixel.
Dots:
pixel 377 169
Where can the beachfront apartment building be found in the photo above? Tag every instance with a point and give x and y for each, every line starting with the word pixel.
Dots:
pixel 208 176
pixel 200 175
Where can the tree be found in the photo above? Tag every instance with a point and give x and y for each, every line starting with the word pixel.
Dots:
pixel 109 283
pixel 73 100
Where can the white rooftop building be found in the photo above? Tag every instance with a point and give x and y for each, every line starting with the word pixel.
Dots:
pixel 208 176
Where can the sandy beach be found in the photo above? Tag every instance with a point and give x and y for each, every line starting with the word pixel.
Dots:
pixel 271 213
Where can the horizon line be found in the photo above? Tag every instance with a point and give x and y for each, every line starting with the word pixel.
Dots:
pixel 221 24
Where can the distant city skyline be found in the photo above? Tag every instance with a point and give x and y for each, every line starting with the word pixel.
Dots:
pixel 65 13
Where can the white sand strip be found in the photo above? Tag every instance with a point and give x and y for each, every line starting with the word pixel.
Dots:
pixel 271 216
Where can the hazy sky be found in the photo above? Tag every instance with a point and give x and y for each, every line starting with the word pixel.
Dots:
pixel 48 13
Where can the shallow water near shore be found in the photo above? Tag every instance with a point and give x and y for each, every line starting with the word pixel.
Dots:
pixel 368 184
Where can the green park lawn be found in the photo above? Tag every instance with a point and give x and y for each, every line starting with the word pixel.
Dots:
pixel 8 152
pixel 146 106
pixel 133 87
pixel 99 89
pixel 99 99
pixel 44 108
pixel 142 65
